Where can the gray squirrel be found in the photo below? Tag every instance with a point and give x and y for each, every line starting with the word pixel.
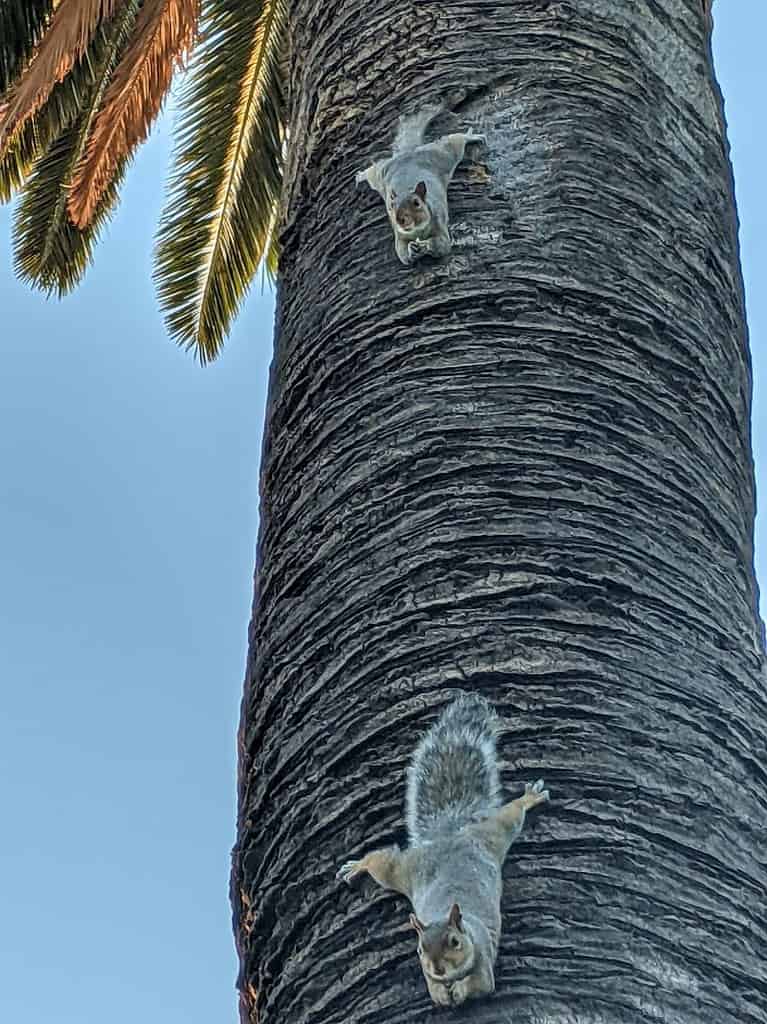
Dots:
pixel 413 183
pixel 459 834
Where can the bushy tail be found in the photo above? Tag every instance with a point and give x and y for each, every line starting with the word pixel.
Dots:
pixel 453 778
pixel 412 128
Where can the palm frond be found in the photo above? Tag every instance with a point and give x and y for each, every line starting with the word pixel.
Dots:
pixel 49 251
pixel 227 172
pixel 60 110
pixel 164 33
pixel 21 24
pixel 64 42
pixel 17 160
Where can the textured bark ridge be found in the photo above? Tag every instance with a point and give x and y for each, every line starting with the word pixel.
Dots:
pixel 526 470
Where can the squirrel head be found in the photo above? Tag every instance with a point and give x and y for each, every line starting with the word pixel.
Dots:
pixel 410 213
pixel 444 948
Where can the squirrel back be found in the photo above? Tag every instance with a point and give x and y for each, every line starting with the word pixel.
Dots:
pixel 453 778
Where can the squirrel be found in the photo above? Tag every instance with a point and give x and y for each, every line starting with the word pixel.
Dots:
pixel 413 183
pixel 459 834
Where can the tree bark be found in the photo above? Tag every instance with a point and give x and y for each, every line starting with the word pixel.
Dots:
pixel 525 470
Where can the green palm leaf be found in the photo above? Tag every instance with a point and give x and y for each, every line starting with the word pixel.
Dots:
pixel 227 173
pixel 49 251
pixel 164 33
pixel 16 162
pixel 60 110
pixel 21 25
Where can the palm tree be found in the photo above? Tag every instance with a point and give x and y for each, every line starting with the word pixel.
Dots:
pixel 525 470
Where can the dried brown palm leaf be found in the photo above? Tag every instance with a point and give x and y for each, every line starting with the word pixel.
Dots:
pixel 163 35
pixel 66 39
pixel 50 252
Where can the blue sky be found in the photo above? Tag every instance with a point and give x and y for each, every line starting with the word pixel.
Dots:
pixel 128 513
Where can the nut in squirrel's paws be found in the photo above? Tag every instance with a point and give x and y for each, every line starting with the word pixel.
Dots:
pixel 348 871
pixel 460 991
pixel 535 789
pixel 478 984
pixel 418 247
pixel 441 995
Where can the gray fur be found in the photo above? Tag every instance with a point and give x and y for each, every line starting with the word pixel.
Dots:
pixel 411 131
pixel 460 834
pixel 453 778
pixel 414 162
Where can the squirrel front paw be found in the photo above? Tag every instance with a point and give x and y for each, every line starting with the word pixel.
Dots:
pixel 460 992
pixel 477 984
pixel 349 871
pixel 440 994
pixel 418 247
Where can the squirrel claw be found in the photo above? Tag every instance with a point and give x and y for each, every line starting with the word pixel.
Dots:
pixel 537 788
pixel 348 871
pixel 418 247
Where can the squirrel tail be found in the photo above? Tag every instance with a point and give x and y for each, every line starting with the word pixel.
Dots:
pixel 412 128
pixel 453 778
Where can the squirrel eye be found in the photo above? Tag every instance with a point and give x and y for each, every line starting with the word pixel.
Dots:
pixel 455 942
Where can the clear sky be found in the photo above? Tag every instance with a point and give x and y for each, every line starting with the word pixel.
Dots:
pixel 128 514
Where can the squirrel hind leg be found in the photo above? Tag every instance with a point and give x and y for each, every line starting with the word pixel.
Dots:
pixel 500 829
pixel 535 793
pixel 387 867
pixel 512 815
pixel 458 141
pixel 372 175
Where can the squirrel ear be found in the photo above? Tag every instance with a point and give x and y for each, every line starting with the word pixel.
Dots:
pixel 454 918
pixel 419 926
pixel 420 190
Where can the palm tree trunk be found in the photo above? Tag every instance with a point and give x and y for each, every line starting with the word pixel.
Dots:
pixel 526 470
